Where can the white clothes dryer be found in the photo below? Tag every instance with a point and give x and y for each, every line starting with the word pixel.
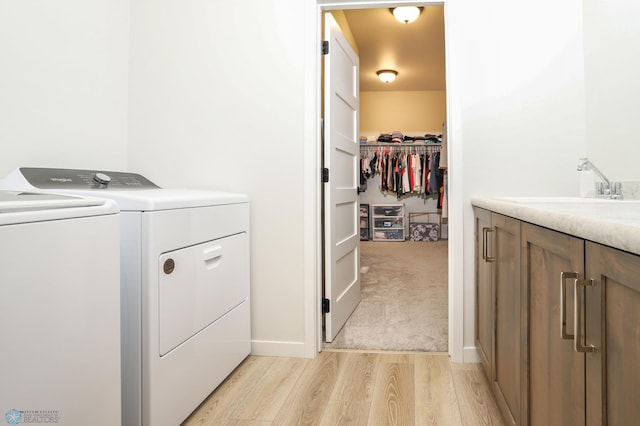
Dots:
pixel 59 310
pixel 185 287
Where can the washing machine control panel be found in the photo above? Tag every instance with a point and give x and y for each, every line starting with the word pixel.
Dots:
pixel 45 178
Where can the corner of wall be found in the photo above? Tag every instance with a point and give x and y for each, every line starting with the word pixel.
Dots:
pixel 470 355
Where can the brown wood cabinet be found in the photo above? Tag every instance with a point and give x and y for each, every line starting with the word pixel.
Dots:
pixel 571 356
pixel 484 291
pixel 555 373
pixel 612 314
pixel 498 307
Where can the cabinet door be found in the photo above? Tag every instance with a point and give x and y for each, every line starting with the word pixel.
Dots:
pixel 612 315
pixel 484 290
pixel 554 394
pixel 506 300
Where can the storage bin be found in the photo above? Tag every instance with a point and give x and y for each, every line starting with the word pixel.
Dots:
pixel 424 231
pixel 388 222
pixel 420 230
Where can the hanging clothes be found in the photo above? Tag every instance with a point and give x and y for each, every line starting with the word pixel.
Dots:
pixel 434 178
pixel 404 160
pixel 382 168
pixel 445 202
pixel 417 172
pixel 411 171
pixel 403 170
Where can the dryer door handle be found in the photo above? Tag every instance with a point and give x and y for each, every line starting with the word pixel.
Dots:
pixel 211 256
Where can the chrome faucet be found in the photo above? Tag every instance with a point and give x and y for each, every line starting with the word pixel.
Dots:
pixel 604 189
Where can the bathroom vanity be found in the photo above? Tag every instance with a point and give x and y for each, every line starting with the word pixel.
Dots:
pixel 558 308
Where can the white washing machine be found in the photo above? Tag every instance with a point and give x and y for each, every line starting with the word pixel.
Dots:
pixel 59 310
pixel 185 287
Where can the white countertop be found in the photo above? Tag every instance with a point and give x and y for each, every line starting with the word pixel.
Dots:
pixel 615 223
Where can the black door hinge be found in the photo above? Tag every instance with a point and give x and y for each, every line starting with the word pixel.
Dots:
pixel 326 306
pixel 325 47
pixel 325 175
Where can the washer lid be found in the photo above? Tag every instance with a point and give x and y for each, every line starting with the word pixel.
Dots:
pixel 168 199
pixel 22 207
pixel 132 192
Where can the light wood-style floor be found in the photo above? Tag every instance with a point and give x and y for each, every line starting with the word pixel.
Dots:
pixel 351 388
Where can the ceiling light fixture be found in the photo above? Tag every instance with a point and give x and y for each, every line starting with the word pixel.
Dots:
pixel 387 76
pixel 406 14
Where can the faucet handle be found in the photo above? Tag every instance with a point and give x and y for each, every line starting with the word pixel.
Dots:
pixel 616 190
pixel 601 189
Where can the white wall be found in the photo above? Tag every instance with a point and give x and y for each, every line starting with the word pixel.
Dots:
pixel 63 83
pixel 216 101
pixel 612 68
pixel 517 119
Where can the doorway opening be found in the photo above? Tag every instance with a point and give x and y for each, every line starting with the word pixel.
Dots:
pixel 404 284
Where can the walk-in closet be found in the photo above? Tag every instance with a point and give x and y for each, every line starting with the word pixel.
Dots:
pixel 402 192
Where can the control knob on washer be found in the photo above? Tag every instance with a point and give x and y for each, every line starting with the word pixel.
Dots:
pixel 102 179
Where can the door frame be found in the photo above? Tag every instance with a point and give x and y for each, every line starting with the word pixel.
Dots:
pixel 313 186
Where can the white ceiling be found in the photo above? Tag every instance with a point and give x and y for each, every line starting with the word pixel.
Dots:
pixel 415 50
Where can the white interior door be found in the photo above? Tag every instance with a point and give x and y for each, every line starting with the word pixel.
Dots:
pixel 342 237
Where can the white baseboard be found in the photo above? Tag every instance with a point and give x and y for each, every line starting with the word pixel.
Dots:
pixel 297 350
pixel 470 354
pixel 276 348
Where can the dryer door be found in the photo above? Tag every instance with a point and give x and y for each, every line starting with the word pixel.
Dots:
pixel 200 284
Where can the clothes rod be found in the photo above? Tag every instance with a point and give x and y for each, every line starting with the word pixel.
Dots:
pixel 398 144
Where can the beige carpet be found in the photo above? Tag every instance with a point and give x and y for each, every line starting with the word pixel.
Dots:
pixel 404 299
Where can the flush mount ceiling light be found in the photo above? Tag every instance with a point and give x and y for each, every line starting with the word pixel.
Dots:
pixel 406 14
pixel 387 76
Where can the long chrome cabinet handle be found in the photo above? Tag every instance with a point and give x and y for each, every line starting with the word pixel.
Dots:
pixel 578 316
pixel 564 276
pixel 485 239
